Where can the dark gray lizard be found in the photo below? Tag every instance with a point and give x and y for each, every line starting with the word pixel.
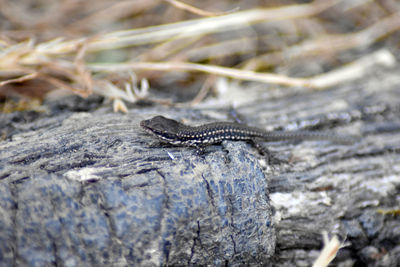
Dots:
pixel 174 132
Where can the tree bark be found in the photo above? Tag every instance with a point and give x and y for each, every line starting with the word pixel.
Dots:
pixel 92 188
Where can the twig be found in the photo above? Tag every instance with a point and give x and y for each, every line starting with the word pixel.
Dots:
pixel 355 70
pixel 328 253
pixel 218 70
pixel 24 78
pixel 196 10
pixel 201 94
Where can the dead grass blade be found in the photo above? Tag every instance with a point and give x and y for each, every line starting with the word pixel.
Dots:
pixel 196 10
pixel 211 69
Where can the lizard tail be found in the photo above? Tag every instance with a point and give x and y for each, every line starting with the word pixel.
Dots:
pixel 306 135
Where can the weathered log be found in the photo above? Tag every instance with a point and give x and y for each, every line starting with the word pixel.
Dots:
pixel 91 188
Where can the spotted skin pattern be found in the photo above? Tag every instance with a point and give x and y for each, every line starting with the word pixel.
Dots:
pixel 174 132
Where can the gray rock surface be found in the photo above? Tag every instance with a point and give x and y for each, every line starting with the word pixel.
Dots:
pixel 91 191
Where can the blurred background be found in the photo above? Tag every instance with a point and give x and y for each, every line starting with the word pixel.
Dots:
pixel 111 47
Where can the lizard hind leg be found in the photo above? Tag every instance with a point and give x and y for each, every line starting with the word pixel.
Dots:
pixel 269 155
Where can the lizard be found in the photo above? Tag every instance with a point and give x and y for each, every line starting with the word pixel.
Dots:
pixel 177 133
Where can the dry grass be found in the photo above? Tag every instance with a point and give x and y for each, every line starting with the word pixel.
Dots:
pixel 329 251
pixel 84 46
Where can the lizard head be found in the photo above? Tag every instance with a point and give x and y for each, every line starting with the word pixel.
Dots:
pixel 164 128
